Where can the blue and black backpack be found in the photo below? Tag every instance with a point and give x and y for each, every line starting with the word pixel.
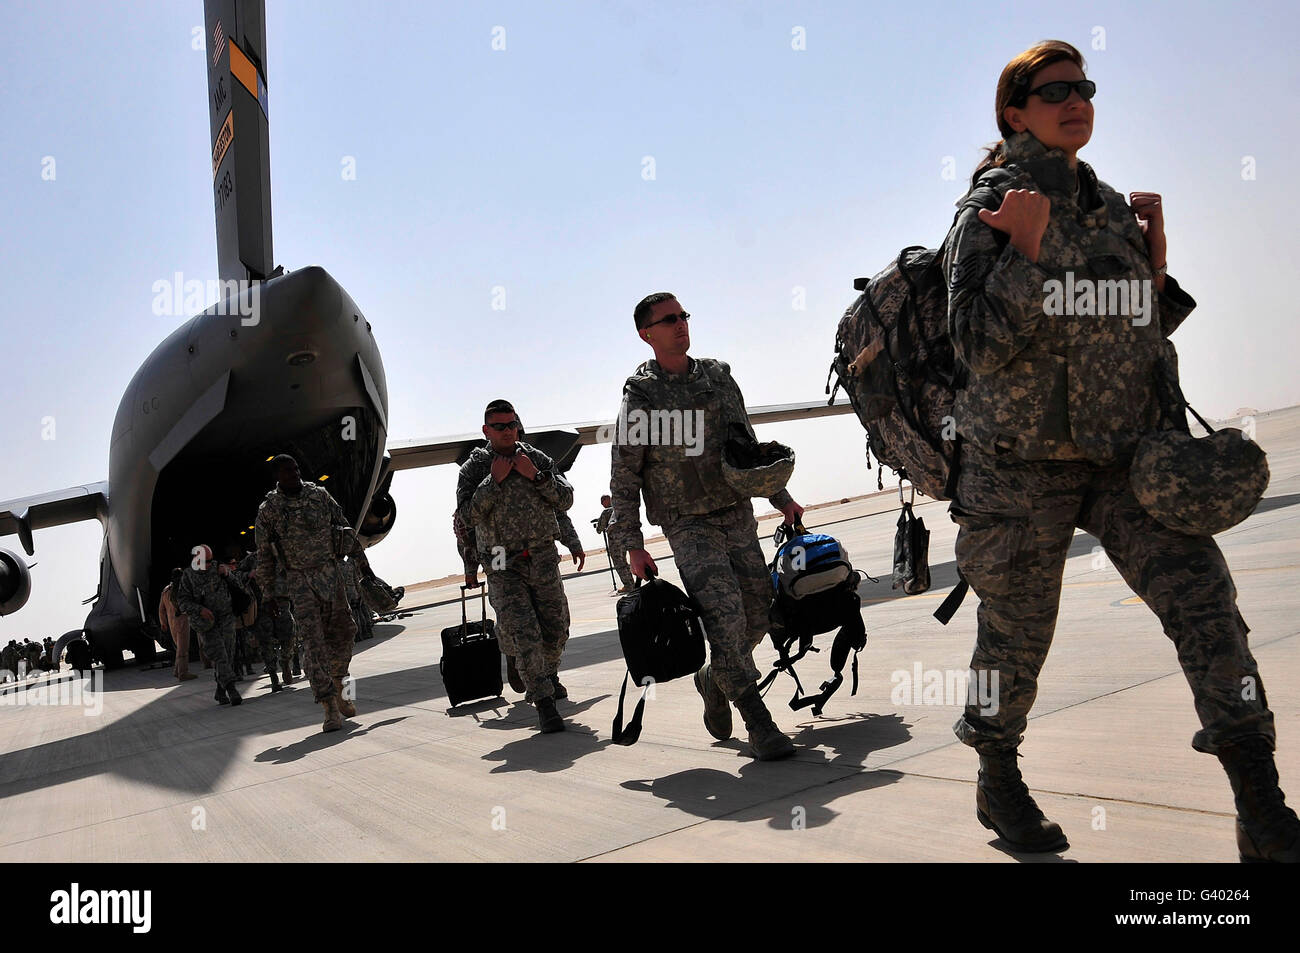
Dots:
pixel 815 590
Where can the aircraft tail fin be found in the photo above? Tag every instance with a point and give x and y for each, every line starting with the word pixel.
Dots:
pixel 241 152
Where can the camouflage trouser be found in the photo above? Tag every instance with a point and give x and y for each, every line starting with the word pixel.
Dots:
pixel 1016 522
pixel 722 566
pixel 218 640
pixel 274 634
pixel 325 625
pixel 532 616
pixel 242 651
pixel 618 559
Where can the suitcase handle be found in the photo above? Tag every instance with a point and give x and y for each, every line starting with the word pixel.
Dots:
pixel 464 621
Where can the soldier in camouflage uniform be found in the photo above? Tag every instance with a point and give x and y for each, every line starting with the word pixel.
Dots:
pixel 467 546
pixel 510 493
pixel 1053 409
pixel 273 626
pixel 617 557
pixel 204 596
pixel 301 533
pixel 709 525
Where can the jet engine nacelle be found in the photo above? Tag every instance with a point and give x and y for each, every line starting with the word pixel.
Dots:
pixel 379 519
pixel 15 582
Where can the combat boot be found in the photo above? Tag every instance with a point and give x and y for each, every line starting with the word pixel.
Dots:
pixel 275 681
pixel 512 674
pixel 769 743
pixel 235 697
pixel 333 717
pixel 547 717
pixel 1003 805
pixel 1267 830
pixel 288 675
pixel 717 710
pixel 221 697
pixel 346 708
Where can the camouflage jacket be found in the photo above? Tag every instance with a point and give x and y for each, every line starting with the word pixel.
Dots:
pixel 1061 353
pixel 277 589
pixel 206 589
pixel 466 544
pixel 516 513
pixel 667 447
pixel 568 535
pixel 602 523
pixel 303 533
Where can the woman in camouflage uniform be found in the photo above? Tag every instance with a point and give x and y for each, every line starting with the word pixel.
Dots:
pixel 1058 393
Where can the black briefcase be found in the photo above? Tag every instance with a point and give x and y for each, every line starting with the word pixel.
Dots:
pixel 471 656
pixel 662 635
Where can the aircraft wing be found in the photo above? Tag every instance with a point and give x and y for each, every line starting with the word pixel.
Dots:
pixel 562 442
pixel 76 503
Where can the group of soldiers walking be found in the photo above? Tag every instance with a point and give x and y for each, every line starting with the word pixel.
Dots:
pixel 513 499
pixel 297 597
pixel 31 657
pixel 1048 415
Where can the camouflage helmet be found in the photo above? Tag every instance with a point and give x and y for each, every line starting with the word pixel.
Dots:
pixel 755 469
pixel 1199 485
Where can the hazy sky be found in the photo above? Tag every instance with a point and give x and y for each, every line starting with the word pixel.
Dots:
pixel 779 174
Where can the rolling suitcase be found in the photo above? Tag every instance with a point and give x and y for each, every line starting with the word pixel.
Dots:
pixel 471 657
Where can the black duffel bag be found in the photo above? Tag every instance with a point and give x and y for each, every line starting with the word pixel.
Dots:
pixel 662 636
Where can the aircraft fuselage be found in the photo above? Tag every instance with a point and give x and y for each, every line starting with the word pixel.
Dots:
pixel 187 463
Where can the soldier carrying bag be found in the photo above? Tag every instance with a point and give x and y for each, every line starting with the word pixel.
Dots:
pixel 662 636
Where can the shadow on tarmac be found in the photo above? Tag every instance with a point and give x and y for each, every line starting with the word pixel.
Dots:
pixel 720 795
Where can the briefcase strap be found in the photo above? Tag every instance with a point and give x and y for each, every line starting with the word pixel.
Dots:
pixel 629 735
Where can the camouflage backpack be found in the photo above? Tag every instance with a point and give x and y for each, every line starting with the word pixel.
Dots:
pixel 895 360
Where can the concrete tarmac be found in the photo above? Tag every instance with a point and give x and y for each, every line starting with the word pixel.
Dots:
pixel 162 773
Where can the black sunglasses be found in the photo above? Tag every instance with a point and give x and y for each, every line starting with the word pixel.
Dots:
pixel 508 425
pixel 1059 91
pixel 669 319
